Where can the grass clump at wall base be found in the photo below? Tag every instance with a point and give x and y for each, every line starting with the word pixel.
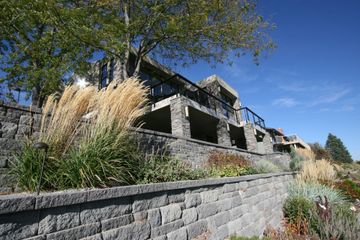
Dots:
pixel 297 210
pixel 87 133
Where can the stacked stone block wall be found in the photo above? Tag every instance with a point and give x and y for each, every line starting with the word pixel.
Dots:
pixel 16 124
pixel 196 151
pixel 210 209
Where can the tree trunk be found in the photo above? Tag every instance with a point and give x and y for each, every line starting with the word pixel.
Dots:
pixel 137 67
pixel 125 62
pixel 36 100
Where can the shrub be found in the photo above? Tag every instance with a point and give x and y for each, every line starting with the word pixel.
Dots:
pixel 218 158
pixel 162 168
pixel 228 165
pixel 317 171
pixel 296 161
pixel 341 224
pixel 297 212
pixel 265 166
pixel 320 152
pixel 231 171
pixel 349 188
pixel 311 191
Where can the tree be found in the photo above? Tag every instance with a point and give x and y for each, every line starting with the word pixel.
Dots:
pixel 36 54
pixel 337 149
pixel 43 41
pixel 319 151
pixel 183 31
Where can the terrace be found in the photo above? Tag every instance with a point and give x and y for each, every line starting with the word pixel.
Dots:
pixel 178 84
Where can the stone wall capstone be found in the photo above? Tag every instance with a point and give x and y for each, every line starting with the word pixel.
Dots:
pixel 209 208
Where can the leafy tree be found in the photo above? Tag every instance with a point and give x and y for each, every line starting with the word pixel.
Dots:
pixel 43 41
pixel 337 149
pixel 319 151
pixel 182 31
pixel 37 54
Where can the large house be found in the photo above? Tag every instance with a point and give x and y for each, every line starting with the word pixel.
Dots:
pixel 209 111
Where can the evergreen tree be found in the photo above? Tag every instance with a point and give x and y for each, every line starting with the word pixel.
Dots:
pixel 337 149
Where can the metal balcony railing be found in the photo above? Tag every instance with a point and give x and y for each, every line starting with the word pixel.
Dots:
pixel 178 84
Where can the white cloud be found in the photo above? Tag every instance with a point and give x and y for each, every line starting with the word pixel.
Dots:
pixel 240 72
pixel 331 96
pixel 285 102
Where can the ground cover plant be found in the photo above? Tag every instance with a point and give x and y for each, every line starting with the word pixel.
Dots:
pixel 228 165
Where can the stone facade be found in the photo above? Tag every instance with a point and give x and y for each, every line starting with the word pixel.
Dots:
pixel 180 125
pixel 216 208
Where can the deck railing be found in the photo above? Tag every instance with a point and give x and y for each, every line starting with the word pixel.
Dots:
pixel 178 84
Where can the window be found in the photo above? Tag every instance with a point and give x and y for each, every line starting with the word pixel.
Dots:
pixel 112 66
pixel 227 101
pixel 103 76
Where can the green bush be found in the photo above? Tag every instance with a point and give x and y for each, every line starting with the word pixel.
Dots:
pixel 298 209
pixel 231 171
pixel 342 224
pixel 312 191
pixel 296 161
pixel 265 166
pixel 163 168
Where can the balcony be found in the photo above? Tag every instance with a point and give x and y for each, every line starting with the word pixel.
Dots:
pixel 178 84
pixel 291 140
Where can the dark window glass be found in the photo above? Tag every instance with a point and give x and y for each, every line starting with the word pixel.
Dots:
pixel 103 76
pixel 112 66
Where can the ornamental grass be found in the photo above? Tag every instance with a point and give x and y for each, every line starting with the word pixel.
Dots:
pixel 87 131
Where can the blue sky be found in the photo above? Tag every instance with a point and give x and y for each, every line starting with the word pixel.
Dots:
pixel 310 84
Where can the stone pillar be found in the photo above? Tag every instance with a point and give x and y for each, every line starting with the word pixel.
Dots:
pixel 251 142
pixel 237 105
pixel 223 135
pixel 267 143
pixel 180 124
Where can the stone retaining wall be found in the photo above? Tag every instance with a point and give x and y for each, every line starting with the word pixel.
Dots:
pixel 210 209
pixel 196 151
pixel 16 124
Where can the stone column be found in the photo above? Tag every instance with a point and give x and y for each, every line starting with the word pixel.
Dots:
pixel 223 135
pixel 251 142
pixel 180 124
pixel 267 143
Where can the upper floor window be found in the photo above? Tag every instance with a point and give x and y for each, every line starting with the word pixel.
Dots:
pixel 103 76
pixel 112 66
